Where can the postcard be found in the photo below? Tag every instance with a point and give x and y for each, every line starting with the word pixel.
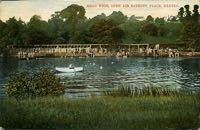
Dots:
pixel 100 64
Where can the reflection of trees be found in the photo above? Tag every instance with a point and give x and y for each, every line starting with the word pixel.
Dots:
pixel 190 67
pixel 8 66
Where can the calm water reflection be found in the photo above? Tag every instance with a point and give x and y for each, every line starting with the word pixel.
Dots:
pixel 101 74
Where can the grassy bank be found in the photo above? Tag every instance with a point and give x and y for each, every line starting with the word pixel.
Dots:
pixel 178 112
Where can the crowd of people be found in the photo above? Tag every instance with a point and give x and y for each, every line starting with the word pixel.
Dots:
pixel 92 52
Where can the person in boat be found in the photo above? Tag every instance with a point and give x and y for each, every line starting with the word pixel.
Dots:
pixel 71 66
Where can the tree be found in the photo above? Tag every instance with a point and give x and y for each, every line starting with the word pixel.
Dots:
pixel 73 14
pixel 173 30
pixel 160 21
pixel 38 31
pixel 2 34
pixel 81 34
pixel 105 32
pixel 59 29
pixel 150 19
pixel 150 29
pixel 162 31
pixel 172 19
pixel 195 16
pixel 118 17
pixel 2 27
pixel 117 34
pixel 132 30
pixel 187 13
pixel 97 18
pixel 190 34
pixel 133 18
pixel 181 14
pixel 14 32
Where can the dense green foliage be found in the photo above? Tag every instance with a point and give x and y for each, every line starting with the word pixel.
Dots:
pixel 38 31
pixel 106 32
pixel 190 33
pixel 117 113
pixel 24 85
pixel 70 25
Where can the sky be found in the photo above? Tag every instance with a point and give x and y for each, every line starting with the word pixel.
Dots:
pixel 25 9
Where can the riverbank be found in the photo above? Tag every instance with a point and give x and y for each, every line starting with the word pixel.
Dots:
pixel 146 112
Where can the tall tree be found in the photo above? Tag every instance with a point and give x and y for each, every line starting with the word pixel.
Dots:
pixel 190 34
pixel 97 18
pixel 38 31
pixel 73 14
pixel 59 29
pixel 132 30
pixel 195 16
pixel 187 13
pixel 14 32
pixel 118 17
pixel 105 32
pixel 181 14
pixel 82 33
pixel 150 19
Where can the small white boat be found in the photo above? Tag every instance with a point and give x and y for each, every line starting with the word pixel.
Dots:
pixel 69 69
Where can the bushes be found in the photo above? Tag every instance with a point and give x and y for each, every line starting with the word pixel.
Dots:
pixel 24 85
pixel 47 84
pixel 20 86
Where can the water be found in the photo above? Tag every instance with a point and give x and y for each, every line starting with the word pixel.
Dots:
pixel 102 74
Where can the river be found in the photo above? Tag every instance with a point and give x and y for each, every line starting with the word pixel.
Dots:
pixel 103 74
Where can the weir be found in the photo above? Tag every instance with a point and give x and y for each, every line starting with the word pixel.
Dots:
pixel 65 50
pixel 91 50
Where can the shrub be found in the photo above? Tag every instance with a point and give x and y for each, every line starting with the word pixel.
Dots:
pixel 24 85
pixel 47 84
pixel 20 85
